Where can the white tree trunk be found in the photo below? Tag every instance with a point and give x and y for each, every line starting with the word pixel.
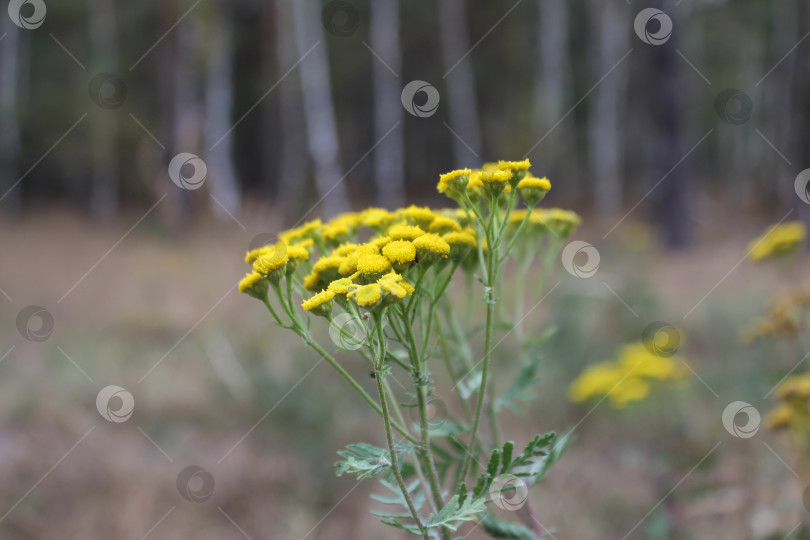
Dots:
pixel 389 165
pixel 103 124
pixel 550 92
pixel 218 101
pixel 464 118
pixel 319 114
pixel 605 144
pixel 293 168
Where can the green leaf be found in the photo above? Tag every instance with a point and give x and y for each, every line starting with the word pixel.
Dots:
pixel 520 388
pixel 366 460
pixel 532 342
pixel 540 467
pixel 470 385
pixel 506 455
pixel 454 513
pixel 494 463
pixel 499 528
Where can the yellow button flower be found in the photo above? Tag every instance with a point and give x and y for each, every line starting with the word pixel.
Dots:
pixel 320 304
pixel 255 285
pixel 400 252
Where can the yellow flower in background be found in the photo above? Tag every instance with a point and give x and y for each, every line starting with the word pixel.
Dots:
pixel 794 405
pixel 627 378
pixel 444 224
pixel 794 387
pixel 421 216
pixel 780 239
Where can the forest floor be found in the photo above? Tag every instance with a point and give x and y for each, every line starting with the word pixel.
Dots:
pixel 215 385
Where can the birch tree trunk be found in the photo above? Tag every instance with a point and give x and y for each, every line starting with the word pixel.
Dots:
pixel 218 102
pixel 9 127
pixel 464 118
pixel 319 114
pixel 104 123
pixel 606 141
pixel 389 165
pixel 551 82
pixel 293 167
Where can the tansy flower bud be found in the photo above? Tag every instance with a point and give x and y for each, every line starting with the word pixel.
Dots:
pixel 320 304
pixel 533 189
pixel 431 248
pixel 518 169
pixel 495 182
pixel 454 183
pixel 255 285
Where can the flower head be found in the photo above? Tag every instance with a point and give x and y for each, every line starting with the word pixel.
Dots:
pixel 495 181
pixel 254 284
pixel 430 248
pixel 533 189
pixel 400 252
pixel 780 239
pixel 320 304
pixel 454 183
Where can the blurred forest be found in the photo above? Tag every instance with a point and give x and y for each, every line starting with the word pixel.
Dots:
pixel 297 106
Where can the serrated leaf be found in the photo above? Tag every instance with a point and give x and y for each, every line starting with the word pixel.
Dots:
pixel 520 388
pixel 499 528
pixel 366 460
pixel 539 469
pixel 494 463
pixel 506 455
pixel 482 485
pixel 454 513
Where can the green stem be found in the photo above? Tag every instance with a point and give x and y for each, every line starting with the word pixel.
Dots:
pixel 421 396
pixel 332 362
pixel 387 423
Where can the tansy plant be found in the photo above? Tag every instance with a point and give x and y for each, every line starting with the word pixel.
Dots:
pixel 388 299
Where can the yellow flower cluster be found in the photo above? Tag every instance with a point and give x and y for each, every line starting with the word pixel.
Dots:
pixel 627 378
pixel 492 180
pixel 794 404
pixel 560 222
pixel 783 319
pixel 778 240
